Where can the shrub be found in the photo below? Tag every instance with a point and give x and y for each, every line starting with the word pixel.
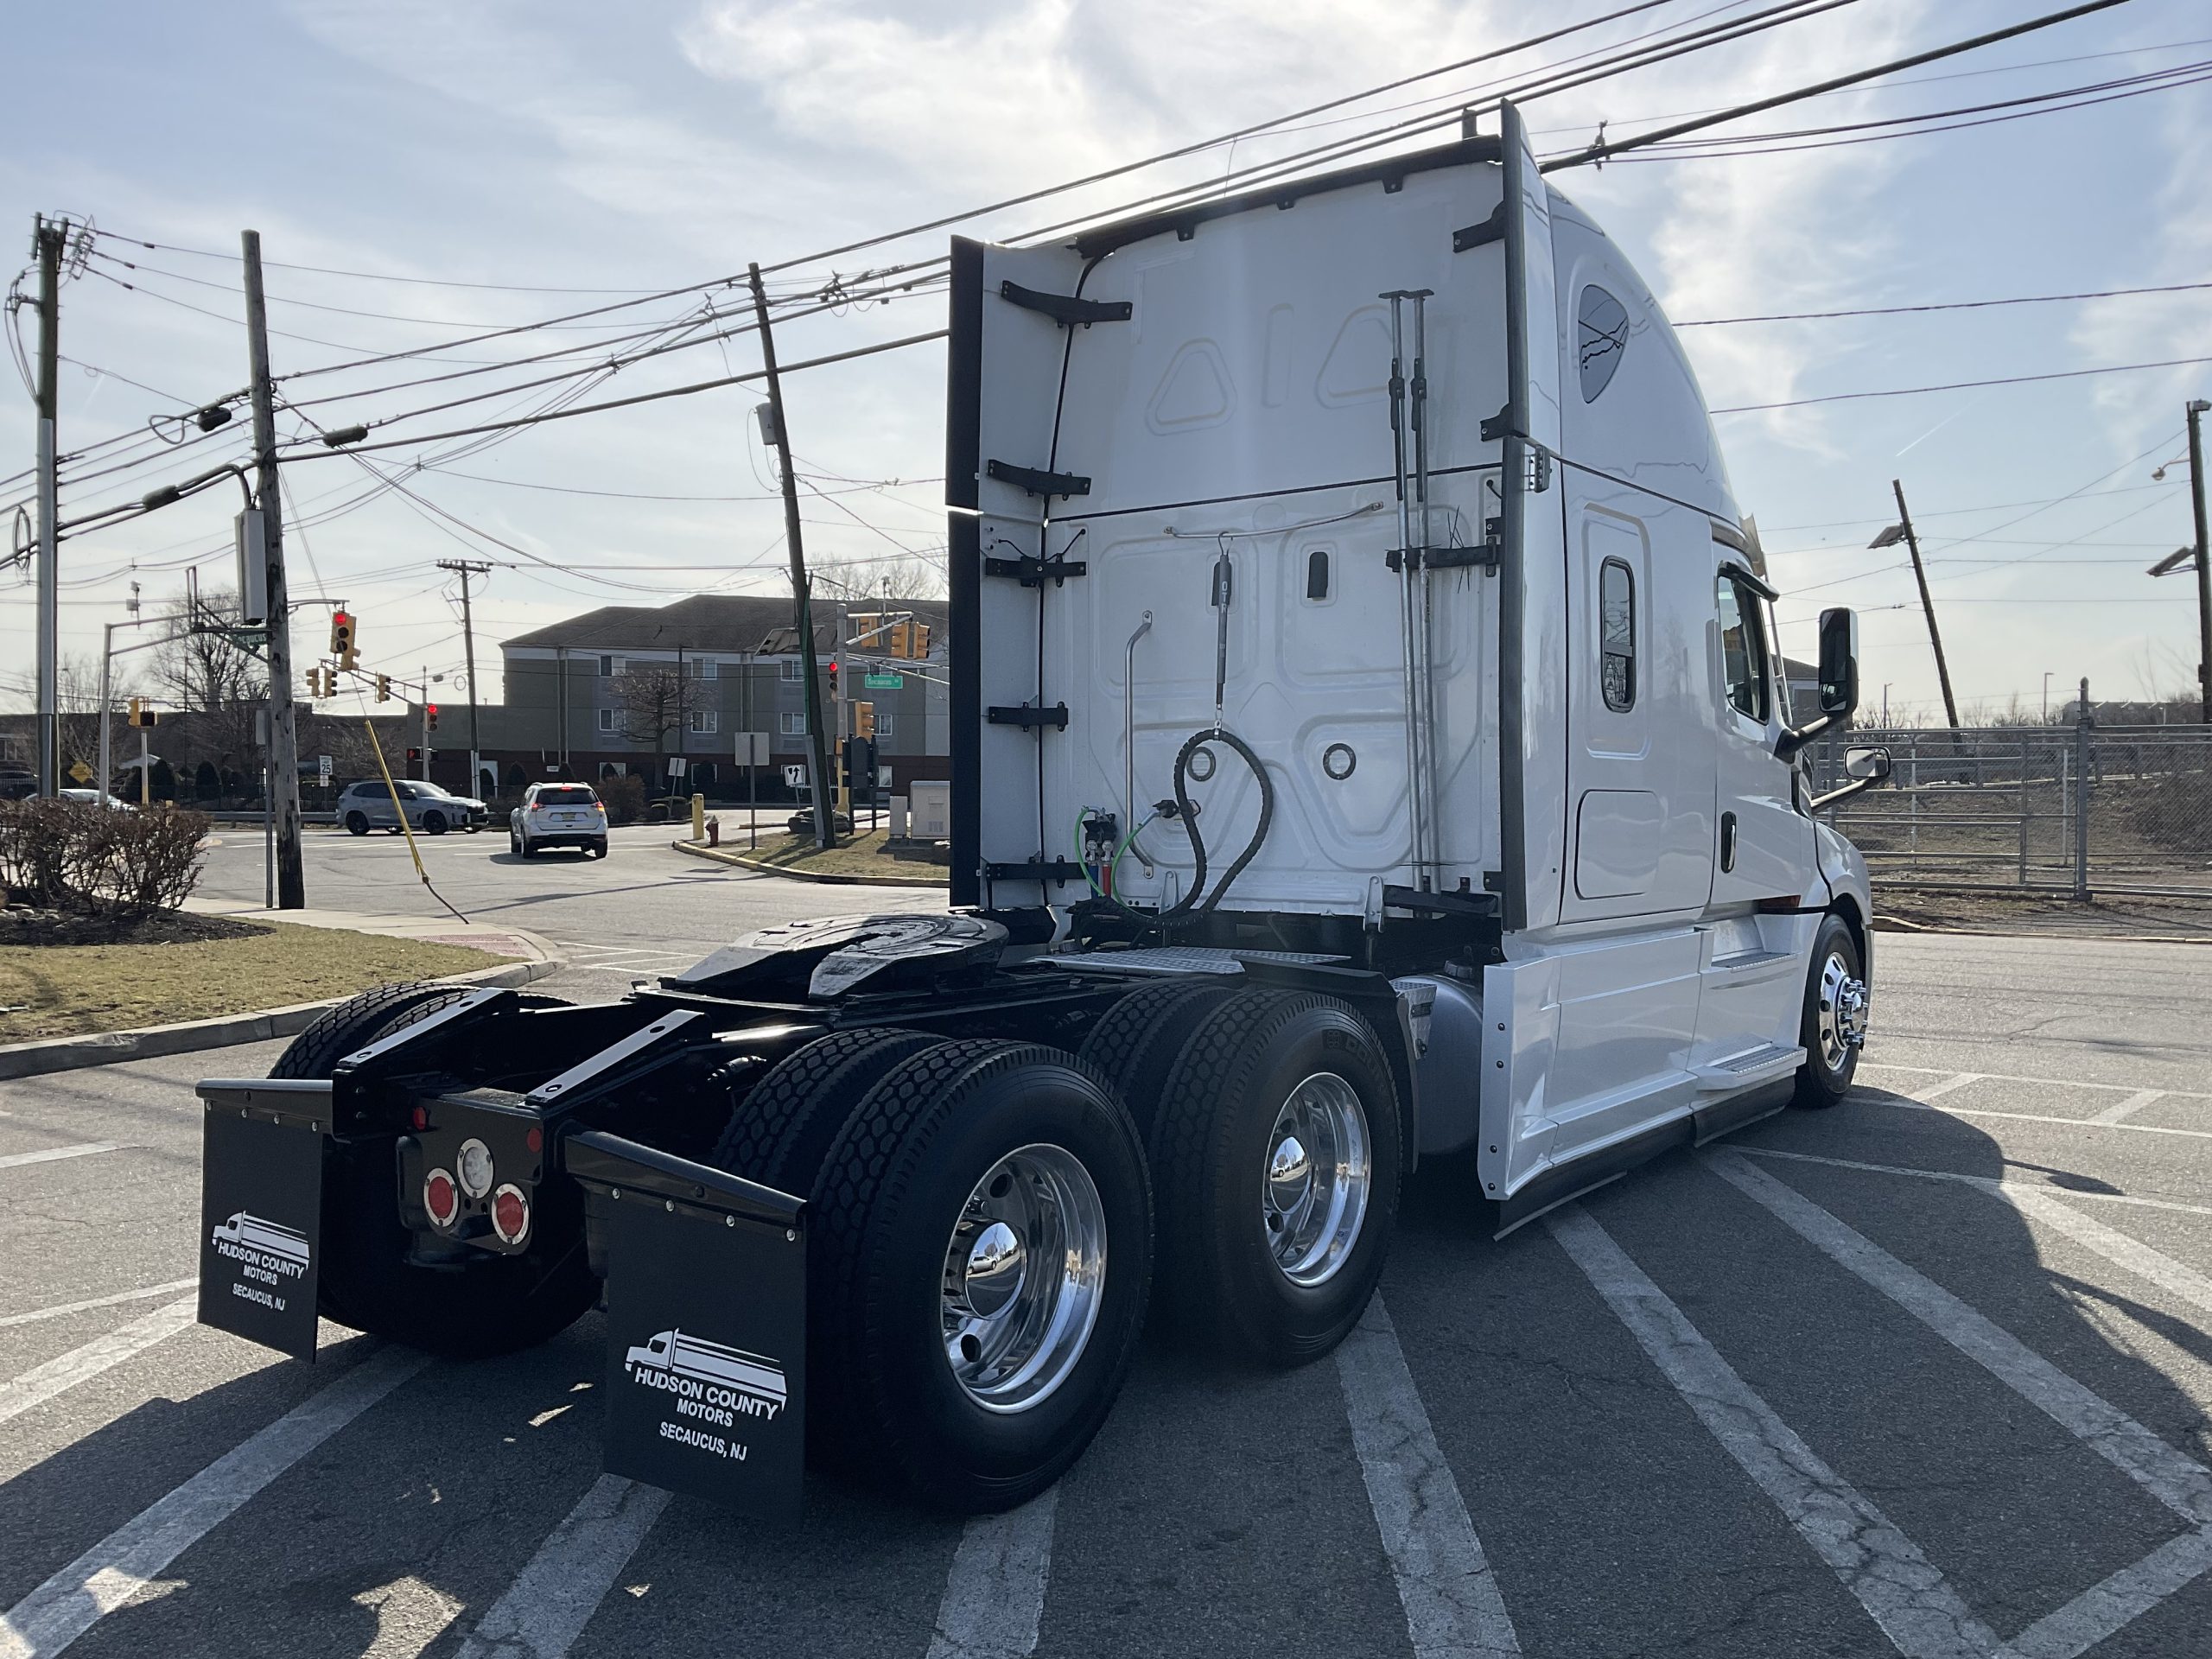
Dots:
pixel 624 796
pixel 98 860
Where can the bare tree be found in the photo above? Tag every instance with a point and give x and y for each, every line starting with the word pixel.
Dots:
pixel 205 672
pixel 78 698
pixel 895 580
pixel 655 700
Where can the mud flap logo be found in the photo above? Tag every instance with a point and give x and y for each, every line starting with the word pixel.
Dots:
pixel 684 1410
pixel 261 1213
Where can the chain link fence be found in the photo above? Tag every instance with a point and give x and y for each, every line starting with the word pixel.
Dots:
pixel 2077 809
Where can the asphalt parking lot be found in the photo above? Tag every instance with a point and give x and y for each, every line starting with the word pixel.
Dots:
pixel 1927 1374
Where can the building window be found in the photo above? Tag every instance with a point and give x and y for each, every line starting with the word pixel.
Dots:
pixel 706 720
pixel 609 667
pixel 1601 335
pixel 885 724
pixel 793 723
pixel 794 669
pixel 1616 635
pixel 606 720
pixel 705 668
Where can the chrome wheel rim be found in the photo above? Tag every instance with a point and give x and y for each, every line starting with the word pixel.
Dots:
pixel 1024 1272
pixel 1316 1179
pixel 1842 1016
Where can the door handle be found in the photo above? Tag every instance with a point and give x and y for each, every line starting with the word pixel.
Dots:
pixel 1727 842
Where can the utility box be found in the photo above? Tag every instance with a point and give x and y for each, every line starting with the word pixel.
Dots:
pixel 898 817
pixel 930 804
pixel 253 568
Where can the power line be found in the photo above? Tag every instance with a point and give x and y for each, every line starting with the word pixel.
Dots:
pixel 1945 305
pixel 1965 385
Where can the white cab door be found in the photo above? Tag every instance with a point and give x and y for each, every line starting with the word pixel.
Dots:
pixel 1762 845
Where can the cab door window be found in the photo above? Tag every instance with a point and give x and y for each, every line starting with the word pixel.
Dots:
pixel 1744 673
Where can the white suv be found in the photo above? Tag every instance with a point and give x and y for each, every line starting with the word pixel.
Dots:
pixel 558 815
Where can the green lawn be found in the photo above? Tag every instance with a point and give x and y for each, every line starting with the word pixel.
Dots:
pixel 71 990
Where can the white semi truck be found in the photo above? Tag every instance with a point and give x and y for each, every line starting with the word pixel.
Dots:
pixel 1369 744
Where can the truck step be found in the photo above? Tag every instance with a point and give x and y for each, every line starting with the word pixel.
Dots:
pixel 1761 1065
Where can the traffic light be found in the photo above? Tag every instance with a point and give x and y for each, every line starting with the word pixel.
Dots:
pixel 140 714
pixel 430 716
pixel 314 684
pixel 342 638
pixel 414 756
pixel 860 767
pixel 864 719
pixel 917 640
pixel 832 672
pixel 383 687
pixel 901 633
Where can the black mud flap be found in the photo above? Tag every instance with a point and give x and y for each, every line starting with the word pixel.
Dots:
pixel 261 1209
pixel 706 1325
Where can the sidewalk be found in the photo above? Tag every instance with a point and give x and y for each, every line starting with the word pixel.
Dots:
pixel 538 958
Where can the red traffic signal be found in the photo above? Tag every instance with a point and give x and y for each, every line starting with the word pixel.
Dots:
pixel 414 755
pixel 430 715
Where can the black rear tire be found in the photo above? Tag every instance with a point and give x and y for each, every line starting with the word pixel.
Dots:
pixel 780 1133
pixel 883 1398
pixel 489 1305
pixel 1211 1148
pixel 1830 1064
pixel 1136 1044
pixel 356 823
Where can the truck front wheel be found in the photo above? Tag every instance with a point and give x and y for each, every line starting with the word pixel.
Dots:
pixel 980 1256
pixel 478 1306
pixel 1833 1025
pixel 1276 1155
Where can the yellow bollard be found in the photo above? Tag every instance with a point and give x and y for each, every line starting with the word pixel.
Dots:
pixel 698 817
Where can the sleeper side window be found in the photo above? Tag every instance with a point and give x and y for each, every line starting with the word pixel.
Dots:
pixel 1742 650
pixel 1601 335
pixel 1617 634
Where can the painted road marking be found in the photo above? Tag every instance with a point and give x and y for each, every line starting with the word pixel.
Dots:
pixel 546 1608
pixel 122 1296
pixel 112 1571
pixel 1937 1091
pixel 51 1153
pixel 994 1596
pixel 1901 1590
pixel 1444 1582
pixel 2127 1109
pixel 2180 1483
pixel 40 1383
pixel 410 1615
pixel 1904 1105
pixel 2008 1077
pixel 2003 1189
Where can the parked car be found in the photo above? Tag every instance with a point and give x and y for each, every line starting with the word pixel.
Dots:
pixel 367 806
pixel 558 815
pixel 92 797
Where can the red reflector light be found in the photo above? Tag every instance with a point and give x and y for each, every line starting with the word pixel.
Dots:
pixel 535 1139
pixel 419 1119
pixel 441 1196
pixel 510 1215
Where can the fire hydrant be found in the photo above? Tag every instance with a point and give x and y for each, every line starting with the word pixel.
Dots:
pixel 713 832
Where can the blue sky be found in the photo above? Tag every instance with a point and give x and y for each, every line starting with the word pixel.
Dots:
pixel 654 145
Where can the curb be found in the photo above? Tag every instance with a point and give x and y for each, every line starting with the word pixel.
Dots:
pixel 720 855
pixel 149 1042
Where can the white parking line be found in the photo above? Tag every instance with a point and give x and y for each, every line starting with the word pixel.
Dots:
pixel 2043 1202
pixel 2127 1109
pixel 994 1597
pixel 112 1571
pixel 16 1160
pixel 1444 1582
pixel 546 1608
pixel 1904 1105
pixel 1985 1182
pixel 1937 1091
pixel 1899 1587
pixel 2180 1483
pixel 64 1309
pixel 2008 1077
pixel 40 1383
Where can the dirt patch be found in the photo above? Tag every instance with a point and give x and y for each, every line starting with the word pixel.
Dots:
pixel 20 926
pixel 1998 912
pixel 861 857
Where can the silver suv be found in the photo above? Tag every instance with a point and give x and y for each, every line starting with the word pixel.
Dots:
pixel 367 806
pixel 558 815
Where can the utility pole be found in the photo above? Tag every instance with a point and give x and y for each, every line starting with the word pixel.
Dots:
pixel 47 238
pixel 283 726
pixel 2197 408
pixel 825 829
pixel 466 567
pixel 1927 606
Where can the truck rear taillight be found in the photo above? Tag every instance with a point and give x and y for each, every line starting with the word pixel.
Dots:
pixel 441 1196
pixel 510 1214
